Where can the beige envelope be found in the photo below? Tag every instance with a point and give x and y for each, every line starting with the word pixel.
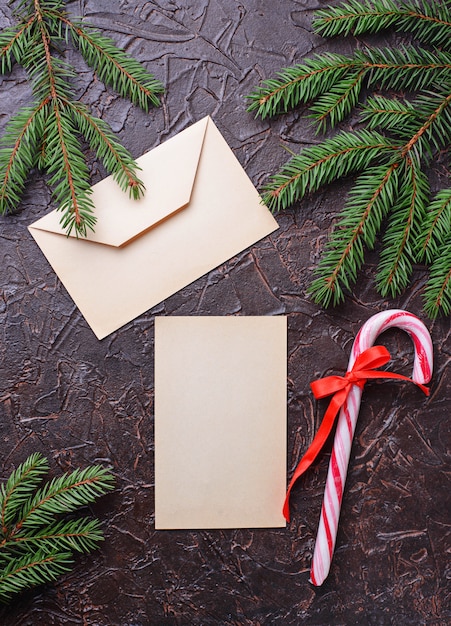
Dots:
pixel 220 422
pixel 144 251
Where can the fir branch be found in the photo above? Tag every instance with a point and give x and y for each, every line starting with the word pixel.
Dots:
pixel 19 487
pixel 335 81
pixel 301 83
pixel 343 254
pixel 392 114
pixel 18 153
pixel 48 74
pixel 435 132
pixel 369 202
pixel 437 295
pixel 428 21
pixel 25 7
pixel 31 570
pixel 435 247
pixel 48 129
pixel 425 121
pixel 115 67
pixel 410 134
pixel 78 535
pixel 402 232
pixel 411 69
pixel 36 545
pixel 318 165
pixel 436 227
pixel 69 172
pixel 356 17
pixel 338 102
pixel 13 43
pixel 65 494
pixel 116 159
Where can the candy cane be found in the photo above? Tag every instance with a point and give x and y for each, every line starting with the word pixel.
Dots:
pixel 336 477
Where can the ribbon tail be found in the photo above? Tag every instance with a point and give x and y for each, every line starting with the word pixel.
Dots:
pixel 366 375
pixel 315 447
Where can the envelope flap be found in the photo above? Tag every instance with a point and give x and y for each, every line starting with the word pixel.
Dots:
pixel 168 173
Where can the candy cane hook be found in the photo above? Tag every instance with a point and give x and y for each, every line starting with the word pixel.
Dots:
pixel 336 477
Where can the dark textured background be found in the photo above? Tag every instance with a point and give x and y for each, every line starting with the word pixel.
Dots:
pixel 83 401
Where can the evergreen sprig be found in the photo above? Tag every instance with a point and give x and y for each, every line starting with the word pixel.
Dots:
pixel 36 541
pixel 402 136
pixel 46 134
pixel 426 20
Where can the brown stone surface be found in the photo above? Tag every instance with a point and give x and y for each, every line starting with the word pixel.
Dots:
pixel 81 401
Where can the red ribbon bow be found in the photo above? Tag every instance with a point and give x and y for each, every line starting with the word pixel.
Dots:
pixel 362 370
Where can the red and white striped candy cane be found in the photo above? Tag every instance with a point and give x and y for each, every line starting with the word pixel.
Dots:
pixel 336 477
